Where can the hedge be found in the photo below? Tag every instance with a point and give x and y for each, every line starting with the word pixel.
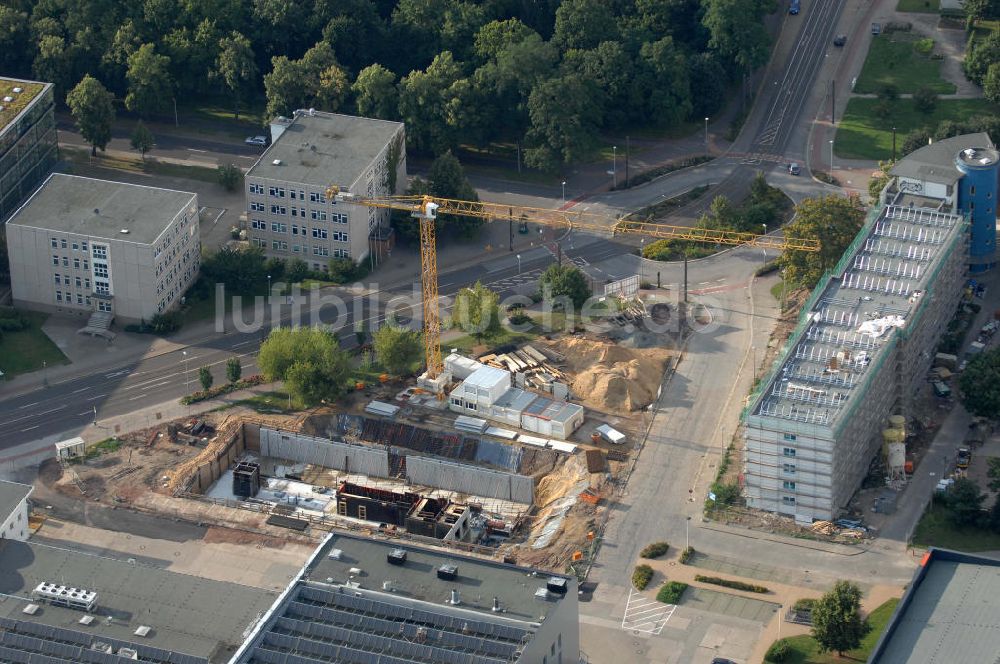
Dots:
pixel 641 577
pixel 219 390
pixel 804 604
pixel 730 583
pixel 654 550
pixel 778 652
pixel 686 555
pixel 670 592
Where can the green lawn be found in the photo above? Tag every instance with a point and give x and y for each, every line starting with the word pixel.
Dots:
pixel 24 351
pixel 925 6
pixel 863 135
pixel 892 59
pixel 936 529
pixel 805 650
pixel 466 342
pixel 80 157
pixel 272 402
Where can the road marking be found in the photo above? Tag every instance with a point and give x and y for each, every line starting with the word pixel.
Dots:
pixel 82 389
pixel 86 412
pixel 30 428
pixel 196 150
pixel 29 405
pixel 139 396
pixel 96 397
pixel 645 614
pixel 244 343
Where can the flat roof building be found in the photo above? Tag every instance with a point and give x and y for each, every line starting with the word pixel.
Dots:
pixel 159 615
pixel 28 146
pixel 864 343
pixel 80 245
pixel 361 599
pixel 14 510
pixel 287 210
pixel 948 614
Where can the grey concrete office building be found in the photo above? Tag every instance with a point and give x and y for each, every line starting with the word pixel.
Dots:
pixel 27 140
pixel 80 245
pixel 288 214
pixel 860 353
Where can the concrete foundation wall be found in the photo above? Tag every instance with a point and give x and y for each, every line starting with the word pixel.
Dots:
pixel 322 452
pixel 469 479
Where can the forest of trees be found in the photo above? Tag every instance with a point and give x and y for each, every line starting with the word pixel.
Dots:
pixel 548 74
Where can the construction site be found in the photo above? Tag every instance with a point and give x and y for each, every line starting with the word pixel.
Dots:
pixel 527 479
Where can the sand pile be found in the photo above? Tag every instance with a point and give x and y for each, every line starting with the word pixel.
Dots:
pixel 614 378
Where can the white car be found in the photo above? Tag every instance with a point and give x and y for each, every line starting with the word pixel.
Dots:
pixel 256 140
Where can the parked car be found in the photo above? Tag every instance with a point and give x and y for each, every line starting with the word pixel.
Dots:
pixel 964 457
pixel 840 40
pixel 256 140
pixel 794 168
pixel 876 28
pixel 793 7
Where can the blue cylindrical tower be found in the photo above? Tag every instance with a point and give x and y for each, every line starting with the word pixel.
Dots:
pixel 977 197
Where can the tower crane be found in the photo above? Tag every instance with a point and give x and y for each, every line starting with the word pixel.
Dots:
pixel 426 208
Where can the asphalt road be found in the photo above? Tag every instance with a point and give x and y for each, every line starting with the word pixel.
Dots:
pixel 68 406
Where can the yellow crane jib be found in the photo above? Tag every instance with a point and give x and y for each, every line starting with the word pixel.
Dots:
pixel 425 209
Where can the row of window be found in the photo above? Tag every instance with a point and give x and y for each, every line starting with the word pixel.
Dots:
pixel 68 298
pixel 317 250
pixel 65 280
pixel 300 213
pixel 77 246
pixel 317 233
pixel 64 261
pixel 293 194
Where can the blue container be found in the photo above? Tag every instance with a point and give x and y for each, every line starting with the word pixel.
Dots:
pixel 977 197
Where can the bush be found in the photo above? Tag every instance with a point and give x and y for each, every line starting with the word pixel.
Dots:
pixel 230 177
pixel 778 652
pixel 804 604
pixel 924 46
pixel 767 268
pixel 159 324
pixel 671 592
pixel 686 555
pixel 725 494
pixel 219 390
pixel 654 550
pixel 519 318
pixel 641 577
pixel 731 583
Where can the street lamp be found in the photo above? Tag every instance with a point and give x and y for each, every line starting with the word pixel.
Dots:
pixel 45 374
pixel 268 287
pixel 564 191
pixel 186 378
pixel 519 263
pixel 614 165
pixel 706 135
pixel 687 533
pixel 831 157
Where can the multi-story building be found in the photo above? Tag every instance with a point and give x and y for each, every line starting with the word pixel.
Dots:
pixel 14 510
pixel 868 335
pixel 27 140
pixel 80 245
pixel 288 214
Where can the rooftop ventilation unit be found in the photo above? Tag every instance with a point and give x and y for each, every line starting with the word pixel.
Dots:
pixel 276 162
pixel 336 554
pixel 143 630
pixel 86 620
pixel 73 598
pixel 542 593
pixel 496 604
pixel 447 572
pixel 354 571
pixel 30 610
pixel 124 231
pixel 101 646
pixel 8 99
pixel 396 557
pixel 387 586
pixel 557 585
pixel 18 91
pixel 128 653
pixel 455 599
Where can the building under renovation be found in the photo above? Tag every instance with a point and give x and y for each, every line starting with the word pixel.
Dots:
pixel 420 515
pixel 860 353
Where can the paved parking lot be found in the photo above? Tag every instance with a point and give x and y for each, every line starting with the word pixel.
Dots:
pixel 730 605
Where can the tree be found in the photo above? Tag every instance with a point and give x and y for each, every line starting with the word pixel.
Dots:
pixel 564 122
pixel 965 501
pixel 736 31
pixel 566 281
pixel 93 110
pixel 993 473
pixel 879 180
pixel 315 79
pixel 834 221
pixel 233 369
pixel 837 621
pixel 496 36
pixel 375 93
pixel 583 24
pixel 668 86
pixel 308 359
pixel 445 180
pixel 54 62
pixel 981 9
pixel 477 311
pixel 205 377
pixel 142 139
pixel 15 41
pixel 398 350
pixel 296 271
pixel 235 66
pixel 149 84
pixel 424 100
pixel 230 177
pixel 914 140
pixel 991 84
pixel 980 384
pixel 925 100
pixel 980 55
pixel 240 270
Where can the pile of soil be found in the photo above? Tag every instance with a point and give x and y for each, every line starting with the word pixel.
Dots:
pixel 613 378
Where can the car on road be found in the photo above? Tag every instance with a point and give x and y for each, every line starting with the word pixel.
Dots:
pixel 840 40
pixel 794 168
pixel 256 140
pixel 964 457
pixel 793 8
pixel 722 660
